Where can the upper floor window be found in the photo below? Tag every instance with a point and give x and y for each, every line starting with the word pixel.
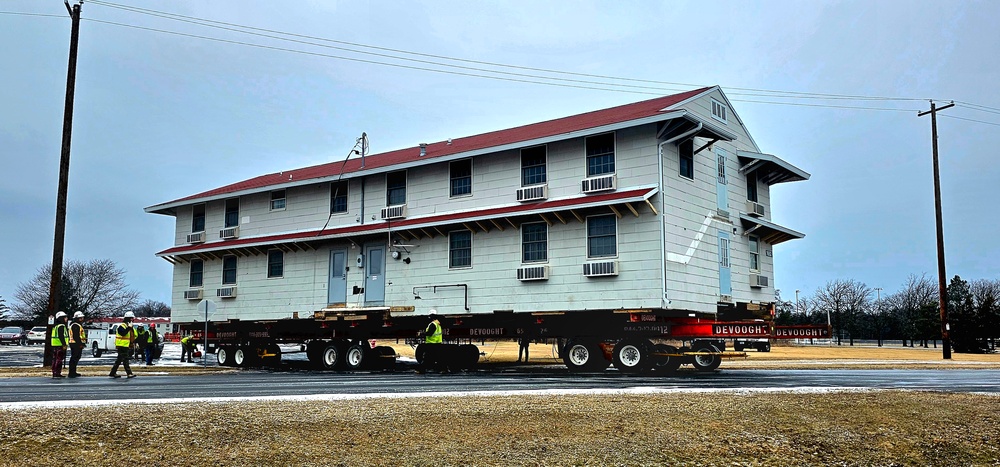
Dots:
pixel 232 212
pixel 685 153
pixel 721 155
pixel 533 166
pixel 198 218
pixel 338 197
pixel 228 269
pixel 395 188
pixel 601 155
pixel 534 242
pixel 197 274
pixel 752 186
pixel 278 200
pixel 602 236
pixel 461 178
pixel 460 249
pixel 754 253
pixel 275 263
pixel 719 111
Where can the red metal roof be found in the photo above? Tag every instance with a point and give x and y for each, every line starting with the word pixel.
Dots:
pixel 546 206
pixel 597 118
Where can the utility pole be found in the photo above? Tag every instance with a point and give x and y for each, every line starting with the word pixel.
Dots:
pixel 942 285
pixel 55 284
pixel 878 313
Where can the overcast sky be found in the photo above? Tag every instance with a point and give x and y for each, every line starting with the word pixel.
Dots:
pixel 160 116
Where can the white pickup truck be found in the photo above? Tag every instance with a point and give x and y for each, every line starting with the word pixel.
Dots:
pixel 102 340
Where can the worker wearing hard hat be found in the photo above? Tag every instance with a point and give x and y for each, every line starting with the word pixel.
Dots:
pixel 59 345
pixel 77 342
pixel 433 335
pixel 124 338
pixel 188 347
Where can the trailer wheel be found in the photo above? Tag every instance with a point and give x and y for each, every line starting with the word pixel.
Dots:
pixel 386 356
pixel 224 356
pixel 355 357
pixel 275 355
pixel 314 352
pixel 706 362
pixel 583 356
pixel 332 356
pixel 469 356
pixel 95 351
pixel 663 363
pixel 245 356
pixel 632 355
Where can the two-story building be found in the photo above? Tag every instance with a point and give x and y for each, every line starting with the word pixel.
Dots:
pixel 660 204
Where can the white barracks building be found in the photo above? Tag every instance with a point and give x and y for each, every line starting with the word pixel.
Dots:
pixel 661 204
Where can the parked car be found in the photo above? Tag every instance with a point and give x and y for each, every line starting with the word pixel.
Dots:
pixel 36 335
pixel 13 335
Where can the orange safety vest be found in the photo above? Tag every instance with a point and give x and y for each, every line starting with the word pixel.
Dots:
pixel 83 334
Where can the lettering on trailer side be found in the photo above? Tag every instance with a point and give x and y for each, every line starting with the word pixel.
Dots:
pixel 487 331
pixel 740 330
pixel 800 332
pixel 659 329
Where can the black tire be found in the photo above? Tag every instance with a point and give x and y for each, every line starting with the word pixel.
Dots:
pixel 332 357
pixel 706 362
pixel 356 356
pixel 664 363
pixel 420 354
pixel 96 351
pixel 469 356
pixel 314 352
pixel 581 355
pixel 224 355
pixel 386 357
pixel 245 356
pixel 632 355
pixel 275 355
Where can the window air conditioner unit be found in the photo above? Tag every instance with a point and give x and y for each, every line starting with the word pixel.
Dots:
pixel 725 299
pixel 755 209
pixel 394 212
pixel 231 232
pixel 533 273
pixel 193 294
pixel 757 280
pixel 533 193
pixel 226 292
pixel 600 268
pixel 196 237
pixel 601 183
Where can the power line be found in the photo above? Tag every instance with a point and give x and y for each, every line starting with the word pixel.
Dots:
pixel 987 109
pixel 18 13
pixel 247 30
pixel 969 104
pixel 970 120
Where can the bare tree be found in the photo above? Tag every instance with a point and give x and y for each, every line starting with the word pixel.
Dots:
pixel 908 307
pixel 986 296
pixel 152 309
pixel 96 287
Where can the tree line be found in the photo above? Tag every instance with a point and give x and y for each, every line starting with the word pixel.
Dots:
pixel 910 315
pixel 96 287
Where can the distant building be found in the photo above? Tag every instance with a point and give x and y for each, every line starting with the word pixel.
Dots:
pixel 660 204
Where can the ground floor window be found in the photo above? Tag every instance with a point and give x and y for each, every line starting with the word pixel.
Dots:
pixel 460 249
pixel 602 236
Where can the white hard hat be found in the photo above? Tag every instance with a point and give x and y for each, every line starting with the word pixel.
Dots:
pixel 129 314
pixel 60 315
pixel 78 314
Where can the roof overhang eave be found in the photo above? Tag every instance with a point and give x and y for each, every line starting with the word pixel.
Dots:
pixel 768 231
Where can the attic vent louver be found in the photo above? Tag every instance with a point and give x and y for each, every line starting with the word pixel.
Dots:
pixel 423 149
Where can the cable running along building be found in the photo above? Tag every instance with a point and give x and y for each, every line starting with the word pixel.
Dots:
pixel 638 235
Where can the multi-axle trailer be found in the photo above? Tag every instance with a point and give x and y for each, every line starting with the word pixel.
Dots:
pixel 588 340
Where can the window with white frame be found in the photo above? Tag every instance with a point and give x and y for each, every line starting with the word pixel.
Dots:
pixel 754 253
pixel 229 270
pixel 533 166
pixel 719 111
pixel 197 274
pixel 395 188
pixel 338 197
pixel 460 249
pixel 752 186
pixel 685 153
pixel 275 263
pixel 601 155
pixel 723 252
pixel 198 218
pixel 721 156
pixel 534 242
pixel 461 178
pixel 278 200
pixel 232 212
pixel 602 236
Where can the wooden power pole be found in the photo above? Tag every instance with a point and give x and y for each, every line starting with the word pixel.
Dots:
pixel 55 284
pixel 942 277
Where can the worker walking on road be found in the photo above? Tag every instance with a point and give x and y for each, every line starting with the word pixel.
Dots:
pixel 433 335
pixel 140 342
pixel 77 342
pixel 522 348
pixel 152 341
pixel 124 340
pixel 188 348
pixel 59 341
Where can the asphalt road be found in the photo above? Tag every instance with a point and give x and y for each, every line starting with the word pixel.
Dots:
pixel 257 383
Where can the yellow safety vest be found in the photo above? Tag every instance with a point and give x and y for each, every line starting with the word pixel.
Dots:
pixel 83 334
pixel 126 340
pixel 149 338
pixel 434 338
pixel 56 341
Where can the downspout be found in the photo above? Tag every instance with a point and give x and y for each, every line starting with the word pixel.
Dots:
pixel 664 299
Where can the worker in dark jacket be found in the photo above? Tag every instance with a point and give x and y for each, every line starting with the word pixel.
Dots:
pixel 152 341
pixel 59 341
pixel 188 348
pixel 141 336
pixel 77 342
pixel 433 336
